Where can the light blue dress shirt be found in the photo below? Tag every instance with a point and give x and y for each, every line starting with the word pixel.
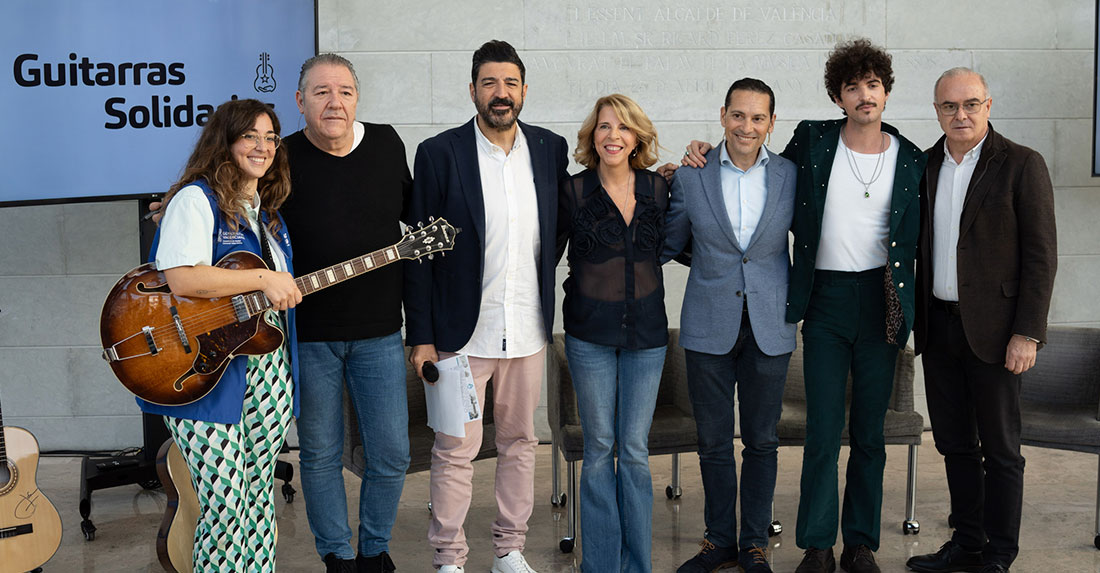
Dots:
pixel 745 193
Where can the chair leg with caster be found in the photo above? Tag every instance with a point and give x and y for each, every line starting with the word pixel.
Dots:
pixel 673 491
pixel 774 528
pixel 567 543
pixel 557 496
pixel 1096 540
pixel 911 526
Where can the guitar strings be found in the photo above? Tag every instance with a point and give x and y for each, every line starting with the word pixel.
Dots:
pixel 224 314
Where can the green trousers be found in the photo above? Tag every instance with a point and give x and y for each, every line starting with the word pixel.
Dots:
pixel 844 332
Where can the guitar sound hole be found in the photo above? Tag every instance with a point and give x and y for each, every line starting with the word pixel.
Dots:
pixel 7 477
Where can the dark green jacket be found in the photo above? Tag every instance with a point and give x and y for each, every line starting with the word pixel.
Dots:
pixel 812 149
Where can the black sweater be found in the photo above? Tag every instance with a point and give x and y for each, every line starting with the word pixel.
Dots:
pixel 341 208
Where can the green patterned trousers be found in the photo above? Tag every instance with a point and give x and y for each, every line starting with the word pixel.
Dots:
pixel 233 470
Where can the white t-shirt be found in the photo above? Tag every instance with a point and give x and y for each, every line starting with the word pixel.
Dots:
pixel 855 227
pixel 187 231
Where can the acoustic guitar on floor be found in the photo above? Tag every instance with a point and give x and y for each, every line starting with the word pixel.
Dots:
pixel 30 528
pixel 172 350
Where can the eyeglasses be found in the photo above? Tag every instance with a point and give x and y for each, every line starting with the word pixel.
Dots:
pixel 269 139
pixel 950 108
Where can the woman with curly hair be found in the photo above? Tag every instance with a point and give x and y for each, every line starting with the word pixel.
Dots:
pixel 227 200
pixel 612 217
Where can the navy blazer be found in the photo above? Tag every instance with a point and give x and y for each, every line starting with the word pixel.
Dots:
pixel 443 295
pixel 723 270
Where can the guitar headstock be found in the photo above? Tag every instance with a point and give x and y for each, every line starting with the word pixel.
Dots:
pixel 435 237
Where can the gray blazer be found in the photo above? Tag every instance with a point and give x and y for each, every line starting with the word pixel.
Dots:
pixel 723 271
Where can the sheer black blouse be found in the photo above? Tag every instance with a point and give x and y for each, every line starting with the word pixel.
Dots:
pixel 615 293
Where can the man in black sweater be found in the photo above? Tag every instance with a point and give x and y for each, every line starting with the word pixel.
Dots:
pixel 350 182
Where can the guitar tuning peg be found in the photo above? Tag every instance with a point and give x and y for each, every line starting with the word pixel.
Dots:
pixel 431 219
pixel 430 257
pixel 420 224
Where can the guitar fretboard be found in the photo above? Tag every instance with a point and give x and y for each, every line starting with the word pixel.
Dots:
pixel 3 446
pixel 329 276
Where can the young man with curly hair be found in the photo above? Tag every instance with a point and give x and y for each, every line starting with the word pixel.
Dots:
pixel 856 222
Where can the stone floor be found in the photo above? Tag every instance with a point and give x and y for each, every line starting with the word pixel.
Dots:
pixel 1057 537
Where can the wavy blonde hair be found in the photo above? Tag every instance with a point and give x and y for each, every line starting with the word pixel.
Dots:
pixel 631 114
pixel 212 160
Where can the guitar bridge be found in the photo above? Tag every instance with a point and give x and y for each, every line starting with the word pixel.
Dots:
pixel 180 331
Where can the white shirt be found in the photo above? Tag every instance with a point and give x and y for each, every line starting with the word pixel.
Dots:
pixel 951 188
pixel 855 228
pixel 745 193
pixel 509 323
pixel 187 231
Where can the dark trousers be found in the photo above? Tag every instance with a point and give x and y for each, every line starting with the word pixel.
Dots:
pixel 975 411
pixel 844 331
pixel 759 381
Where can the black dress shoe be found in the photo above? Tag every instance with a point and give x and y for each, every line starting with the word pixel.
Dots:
pixel 709 559
pixel 950 557
pixel 858 559
pixel 380 563
pixel 994 568
pixel 334 564
pixel 817 561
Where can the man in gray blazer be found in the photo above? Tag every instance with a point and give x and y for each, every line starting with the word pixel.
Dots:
pixel 736 212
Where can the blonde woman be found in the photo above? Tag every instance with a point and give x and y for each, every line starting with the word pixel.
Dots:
pixel 612 217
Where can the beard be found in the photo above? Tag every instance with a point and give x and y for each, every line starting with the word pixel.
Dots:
pixel 499 119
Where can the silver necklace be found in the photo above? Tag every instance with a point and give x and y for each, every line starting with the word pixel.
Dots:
pixel 875 173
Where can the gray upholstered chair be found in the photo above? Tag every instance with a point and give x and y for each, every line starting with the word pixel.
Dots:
pixel 1060 396
pixel 673 429
pixel 421 437
pixel 903 424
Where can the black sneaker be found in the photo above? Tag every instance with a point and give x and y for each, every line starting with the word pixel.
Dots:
pixel 817 561
pixel 755 560
pixel 380 563
pixel 858 559
pixel 950 557
pixel 994 568
pixel 334 564
pixel 709 559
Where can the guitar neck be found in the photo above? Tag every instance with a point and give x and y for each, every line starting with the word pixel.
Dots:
pixel 3 446
pixel 350 268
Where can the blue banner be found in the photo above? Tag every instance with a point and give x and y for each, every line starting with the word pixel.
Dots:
pixel 107 98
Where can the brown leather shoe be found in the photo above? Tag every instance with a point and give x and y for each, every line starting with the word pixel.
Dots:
pixel 858 559
pixel 817 561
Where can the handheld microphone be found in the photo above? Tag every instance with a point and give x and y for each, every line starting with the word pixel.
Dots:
pixel 431 373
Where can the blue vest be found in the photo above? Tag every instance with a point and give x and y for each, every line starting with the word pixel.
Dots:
pixel 225 402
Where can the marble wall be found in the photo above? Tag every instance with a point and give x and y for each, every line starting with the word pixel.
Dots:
pixel 675 58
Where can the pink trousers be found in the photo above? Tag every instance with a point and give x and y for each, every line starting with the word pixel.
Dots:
pixel 516 387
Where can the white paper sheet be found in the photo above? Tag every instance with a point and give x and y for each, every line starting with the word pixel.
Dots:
pixel 452 401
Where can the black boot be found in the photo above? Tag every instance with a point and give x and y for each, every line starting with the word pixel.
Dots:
pixel 380 563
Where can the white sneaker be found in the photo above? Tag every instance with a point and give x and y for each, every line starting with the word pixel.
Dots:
pixel 511 563
pixel 450 569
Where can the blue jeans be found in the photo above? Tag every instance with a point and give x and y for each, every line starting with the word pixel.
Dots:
pixel 616 394
pixel 759 379
pixel 374 371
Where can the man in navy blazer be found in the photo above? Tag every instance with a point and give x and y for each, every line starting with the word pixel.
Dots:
pixel 491 299
pixel 736 212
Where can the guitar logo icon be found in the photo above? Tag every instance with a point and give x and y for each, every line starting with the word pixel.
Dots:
pixel 265 75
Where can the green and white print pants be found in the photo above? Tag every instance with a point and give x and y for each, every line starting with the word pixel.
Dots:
pixel 233 470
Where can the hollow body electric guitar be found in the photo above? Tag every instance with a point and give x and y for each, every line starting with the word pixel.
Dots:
pixel 172 350
pixel 30 528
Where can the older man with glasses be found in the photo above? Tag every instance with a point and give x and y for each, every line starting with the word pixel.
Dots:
pixel 985 271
